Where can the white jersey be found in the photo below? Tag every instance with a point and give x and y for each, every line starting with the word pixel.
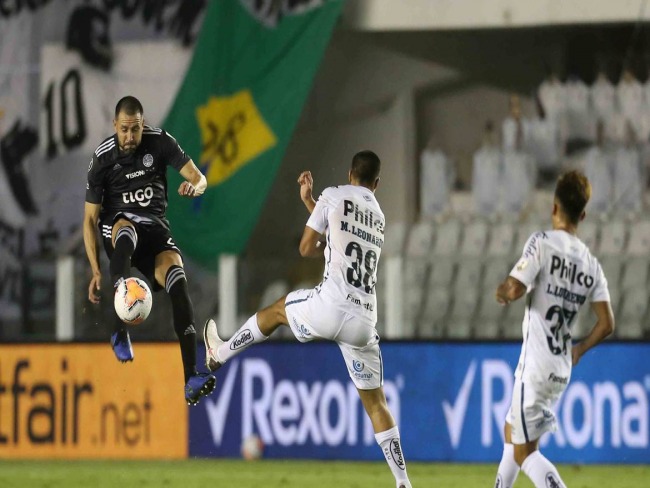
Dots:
pixel 561 276
pixel 354 225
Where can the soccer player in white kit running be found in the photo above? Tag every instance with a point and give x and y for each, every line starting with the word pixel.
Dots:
pixel 343 307
pixel 560 275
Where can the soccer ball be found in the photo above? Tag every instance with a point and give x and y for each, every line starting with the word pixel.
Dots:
pixel 252 448
pixel 132 301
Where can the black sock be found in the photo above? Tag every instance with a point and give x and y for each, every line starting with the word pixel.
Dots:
pixel 183 311
pixel 125 242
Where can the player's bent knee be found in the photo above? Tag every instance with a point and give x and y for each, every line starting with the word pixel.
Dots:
pixel 164 261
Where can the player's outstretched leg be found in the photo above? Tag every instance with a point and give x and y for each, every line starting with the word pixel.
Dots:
pixel 218 351
pixel 125 242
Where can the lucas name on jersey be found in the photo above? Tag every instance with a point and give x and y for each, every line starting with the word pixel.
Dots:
pixel 365 218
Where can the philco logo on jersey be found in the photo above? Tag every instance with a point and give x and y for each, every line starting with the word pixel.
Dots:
pixel 135 174
pixel 142 196
pixel 568 270
pixel 362 216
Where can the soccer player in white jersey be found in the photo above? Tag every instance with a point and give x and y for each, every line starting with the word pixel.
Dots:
pixel 559 275
pixel 343 307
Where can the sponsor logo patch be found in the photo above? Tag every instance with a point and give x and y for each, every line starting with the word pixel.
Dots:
pixel 242 339
pixel 147 160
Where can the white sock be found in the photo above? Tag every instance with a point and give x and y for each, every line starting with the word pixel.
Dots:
pixel 392 449
pixel 247 335
pixel 508 468
pixel 541 471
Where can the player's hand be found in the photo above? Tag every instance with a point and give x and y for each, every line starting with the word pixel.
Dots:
pixel 95 284
pixel 187 189
pixel 306 183
pixel 576 354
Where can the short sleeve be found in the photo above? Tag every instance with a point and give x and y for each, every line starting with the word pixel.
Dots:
pixel 94 183
pixel 600 291
pixel 529 264
pixel 318 219
pixel 174 155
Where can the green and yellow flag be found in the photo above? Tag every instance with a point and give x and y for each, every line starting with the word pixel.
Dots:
pixel 236 111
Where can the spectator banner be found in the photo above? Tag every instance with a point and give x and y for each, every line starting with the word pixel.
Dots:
pixel 252 69
pixel 78 401
pixel 450 401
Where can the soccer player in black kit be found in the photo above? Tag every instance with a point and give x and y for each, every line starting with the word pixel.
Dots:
pixel 126 196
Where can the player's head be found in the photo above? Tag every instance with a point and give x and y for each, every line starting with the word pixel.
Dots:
pixel 572 193
pixel 365 169
pixel 128 122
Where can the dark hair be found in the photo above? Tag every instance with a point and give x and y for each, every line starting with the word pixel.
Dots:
pixel 572 192
pixel 129 105
pixel 365 167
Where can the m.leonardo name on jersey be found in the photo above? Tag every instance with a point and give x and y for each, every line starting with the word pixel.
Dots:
pixel 568 270
pixel 362 234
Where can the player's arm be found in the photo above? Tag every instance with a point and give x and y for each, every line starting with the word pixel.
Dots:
pixel 306 183
pixel 91 217
pixel 195 182
pixel 510 290
pixel 310 245
pixel 604 327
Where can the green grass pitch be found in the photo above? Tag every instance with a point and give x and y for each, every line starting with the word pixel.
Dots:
pixel 286 474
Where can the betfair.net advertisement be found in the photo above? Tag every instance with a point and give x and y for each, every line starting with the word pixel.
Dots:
pixel 78 401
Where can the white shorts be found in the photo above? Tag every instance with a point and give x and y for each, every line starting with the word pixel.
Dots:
pixel 531 412
pixel 310 317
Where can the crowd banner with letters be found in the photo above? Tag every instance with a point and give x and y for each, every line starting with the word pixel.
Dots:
pixel 450 402
pixel 77 401
pixel 252 69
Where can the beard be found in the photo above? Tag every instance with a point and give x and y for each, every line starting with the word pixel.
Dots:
pixel 127 149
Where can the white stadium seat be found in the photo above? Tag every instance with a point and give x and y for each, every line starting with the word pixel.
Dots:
pixel 501 240
pixel 612 268
pixel 442 272
pixel 635 274
pixel 639 239
pixel 468 275
pixel 494 272
pixel 394 238
pixel 588 233
pixel 447 238
pixel 475 238
pixel 435 310
pixel 612 238
pixel 420 239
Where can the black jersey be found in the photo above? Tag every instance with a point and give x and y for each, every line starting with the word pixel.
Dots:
pixel 136 182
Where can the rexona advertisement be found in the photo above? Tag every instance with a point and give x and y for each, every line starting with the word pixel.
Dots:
pixel 450 401
pixel 78 401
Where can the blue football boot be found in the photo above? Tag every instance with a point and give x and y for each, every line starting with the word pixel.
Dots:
pixel 121 343
pixel 199 385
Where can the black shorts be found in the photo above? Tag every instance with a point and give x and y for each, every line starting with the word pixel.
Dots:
pixel 153 238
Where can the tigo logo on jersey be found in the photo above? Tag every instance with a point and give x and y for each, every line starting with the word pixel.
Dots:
pixel 142 196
